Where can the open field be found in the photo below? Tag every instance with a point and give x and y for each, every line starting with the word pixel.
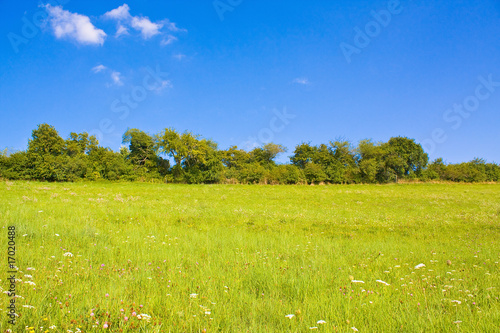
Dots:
pixel 198 258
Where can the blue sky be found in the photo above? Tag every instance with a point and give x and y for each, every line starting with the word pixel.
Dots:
pixel 246 72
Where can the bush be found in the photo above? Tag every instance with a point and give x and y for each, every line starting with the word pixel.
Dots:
pixel 252 173
pixel 287 174
pixel 314 173
pixel 15 166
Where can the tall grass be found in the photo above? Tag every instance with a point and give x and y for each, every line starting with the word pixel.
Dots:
pixel 198 258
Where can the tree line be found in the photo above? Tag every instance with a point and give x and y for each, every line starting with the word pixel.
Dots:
pixel 173 157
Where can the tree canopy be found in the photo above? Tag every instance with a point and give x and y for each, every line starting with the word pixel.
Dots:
pixel 170 156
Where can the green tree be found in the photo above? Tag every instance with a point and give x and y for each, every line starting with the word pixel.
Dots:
pixel 107 164
pixel 14 166
pixel 196 159
pixel 141 146
pixel 266 154
pixel 142 154
pixel 45 150
pixel 342 166
pixel 80 144
pixel 203 163
pixel 314 173
pixel 435 170
pixel 405 157
pixel 370 157
pixel 303 154
pixel 234 158
pixel 45 140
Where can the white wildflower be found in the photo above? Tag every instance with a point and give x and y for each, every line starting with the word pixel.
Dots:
pixel 383 282
pixel 357 281
pixel 290 316
pixel 68 254
pixel 419 266
pixel 321 322
pixel 144 316
pixel 193 295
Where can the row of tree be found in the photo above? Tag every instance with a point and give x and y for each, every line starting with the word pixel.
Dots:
pixel 170 156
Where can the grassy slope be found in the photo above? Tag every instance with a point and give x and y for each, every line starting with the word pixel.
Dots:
pixel 259 253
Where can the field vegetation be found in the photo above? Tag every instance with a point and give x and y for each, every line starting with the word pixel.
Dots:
pixel 126 257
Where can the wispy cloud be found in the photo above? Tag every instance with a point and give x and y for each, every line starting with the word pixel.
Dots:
pixel 168 40
pixel 121 30
pixel 98 68
pixel 302 80
pixel 73 26
pixel 172 26
pixel 116 77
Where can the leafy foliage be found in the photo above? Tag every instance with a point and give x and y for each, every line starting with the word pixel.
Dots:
pixel 170 156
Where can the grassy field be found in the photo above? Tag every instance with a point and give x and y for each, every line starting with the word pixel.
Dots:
pixel 123 257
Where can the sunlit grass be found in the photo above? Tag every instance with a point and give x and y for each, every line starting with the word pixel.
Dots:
pixel 246 258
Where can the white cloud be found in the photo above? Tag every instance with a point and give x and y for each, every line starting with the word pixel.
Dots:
pixel 98 68
pixel 143 24
pixel 168 40
pixel 121 30
pixel 120 13
pixel 74 26
pixel 147 28
pixel 172 26
pixel 116 77
pixel 301 80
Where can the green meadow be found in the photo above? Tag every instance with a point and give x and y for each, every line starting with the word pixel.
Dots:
pixel 138 257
